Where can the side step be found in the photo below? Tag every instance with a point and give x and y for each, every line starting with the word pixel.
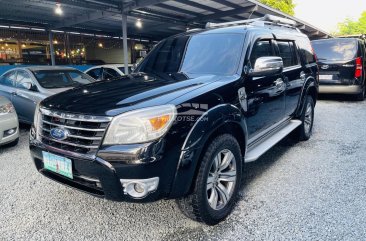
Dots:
pixel 258 150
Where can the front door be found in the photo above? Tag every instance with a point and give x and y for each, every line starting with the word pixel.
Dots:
pixel 265 94
pixel 25 100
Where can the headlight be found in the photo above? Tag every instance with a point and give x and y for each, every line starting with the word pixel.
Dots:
pixel 36 115
pixel 36 120
pixel 7 108
pixel 141 125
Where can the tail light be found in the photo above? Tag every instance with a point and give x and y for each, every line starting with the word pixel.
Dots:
pixel 358 71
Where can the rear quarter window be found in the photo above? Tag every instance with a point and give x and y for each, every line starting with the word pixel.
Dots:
pixel 306 50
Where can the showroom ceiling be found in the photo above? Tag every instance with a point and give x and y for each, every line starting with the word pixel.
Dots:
pixel 159 18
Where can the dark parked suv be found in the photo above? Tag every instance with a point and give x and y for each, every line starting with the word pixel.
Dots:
pixel 198 107
pixel 342 66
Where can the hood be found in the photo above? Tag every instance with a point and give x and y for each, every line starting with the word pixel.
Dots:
pixel 112 97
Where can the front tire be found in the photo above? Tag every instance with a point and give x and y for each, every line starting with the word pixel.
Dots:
pixel 217 184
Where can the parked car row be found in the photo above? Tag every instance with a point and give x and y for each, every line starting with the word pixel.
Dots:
pixel 26 87
pixel 183 124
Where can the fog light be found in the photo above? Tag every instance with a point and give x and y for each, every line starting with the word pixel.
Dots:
pixel 139 188
pixel 10 132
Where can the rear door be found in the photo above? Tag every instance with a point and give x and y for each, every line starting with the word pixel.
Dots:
pixel 336 60
pixel 293 74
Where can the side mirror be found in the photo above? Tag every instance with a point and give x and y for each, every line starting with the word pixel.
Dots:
pixel 266 66
pixel 29 86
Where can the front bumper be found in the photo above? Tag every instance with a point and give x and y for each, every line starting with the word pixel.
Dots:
pixel 7 122
pixel 102 178
pixel 340 89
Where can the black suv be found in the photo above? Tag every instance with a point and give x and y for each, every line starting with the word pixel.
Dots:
pixel 342 63
pixel 198 107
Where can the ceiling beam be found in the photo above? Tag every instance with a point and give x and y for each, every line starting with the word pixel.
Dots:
pixel 227 13
pixel 179 10
pixel 199 6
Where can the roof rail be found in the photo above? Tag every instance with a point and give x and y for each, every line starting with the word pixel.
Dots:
pixel 267 19
pixel 361 36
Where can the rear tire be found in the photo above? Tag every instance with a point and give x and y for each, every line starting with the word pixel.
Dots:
pixel 217 184
pixel 305 130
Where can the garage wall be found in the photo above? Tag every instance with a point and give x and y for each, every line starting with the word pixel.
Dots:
pixel 109 56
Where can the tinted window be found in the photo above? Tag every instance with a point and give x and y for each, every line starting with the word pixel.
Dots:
pixel 22 78
pixel 95 73
pixel 8 79
pixel 306 50
pixel 287 53
pixel 110 73
pixel 335 49
pixel 198 54
pixel 261 49
pixel 53 79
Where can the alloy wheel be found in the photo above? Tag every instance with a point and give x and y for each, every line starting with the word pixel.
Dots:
pixel 221 179
pixel 308 118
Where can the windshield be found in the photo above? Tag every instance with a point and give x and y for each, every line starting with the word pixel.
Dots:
pixel 217 54
pixel 54 79
pixel 335 49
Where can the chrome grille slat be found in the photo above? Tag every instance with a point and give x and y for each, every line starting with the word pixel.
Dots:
pixel 72 127
pixel 69 143
pixel 79 137
pixel 76 117
pixel 84 133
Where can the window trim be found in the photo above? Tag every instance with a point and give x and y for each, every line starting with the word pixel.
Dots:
pixel 294 54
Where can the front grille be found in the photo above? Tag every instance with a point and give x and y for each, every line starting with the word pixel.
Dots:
pixel 84 133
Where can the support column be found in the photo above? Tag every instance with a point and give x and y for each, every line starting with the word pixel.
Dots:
pixel 52 50
pixel 125 50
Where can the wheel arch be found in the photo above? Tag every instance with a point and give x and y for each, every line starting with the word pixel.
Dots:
pixel 310 88
pixel 221 119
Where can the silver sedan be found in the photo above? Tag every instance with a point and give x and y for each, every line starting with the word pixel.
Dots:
pixel 25 87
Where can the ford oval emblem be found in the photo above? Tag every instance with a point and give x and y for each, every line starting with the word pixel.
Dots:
pixel 325 66
pixel 59 134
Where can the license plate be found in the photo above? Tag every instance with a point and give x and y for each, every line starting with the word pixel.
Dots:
pixel 326 77
pixel 57 164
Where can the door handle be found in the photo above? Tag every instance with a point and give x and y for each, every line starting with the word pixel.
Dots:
pixel 302 75
pixel 14 93
pixel 278 83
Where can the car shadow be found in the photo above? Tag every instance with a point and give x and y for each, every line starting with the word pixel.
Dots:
pixel 337 97
pixel 253 170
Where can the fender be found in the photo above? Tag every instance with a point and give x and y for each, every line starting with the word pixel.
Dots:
pixel 310 82
pixel 198 136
